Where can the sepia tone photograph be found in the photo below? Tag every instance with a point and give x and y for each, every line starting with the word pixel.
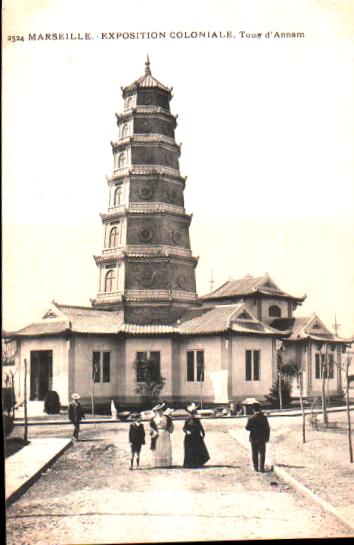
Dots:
pixel 178 323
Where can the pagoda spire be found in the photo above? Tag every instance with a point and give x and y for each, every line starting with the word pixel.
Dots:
pixel 147 66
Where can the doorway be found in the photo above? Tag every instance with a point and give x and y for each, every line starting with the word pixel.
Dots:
pixel 41 373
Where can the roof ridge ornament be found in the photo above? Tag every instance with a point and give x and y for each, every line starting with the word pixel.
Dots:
pixel 147 66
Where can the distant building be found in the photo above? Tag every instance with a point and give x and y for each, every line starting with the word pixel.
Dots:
pixel 224 346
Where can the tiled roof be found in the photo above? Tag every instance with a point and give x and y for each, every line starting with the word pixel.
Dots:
pixel 202 320
pixel 147 329
pixel 301 328
pixel 248 285
pixel 91 320
pixel 146 81
pixel 217 319
pixel 47 327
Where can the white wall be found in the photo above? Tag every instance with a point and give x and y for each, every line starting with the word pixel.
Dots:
pixel 83 347
pixel 60 348
pixel 240 387
pixel 212 362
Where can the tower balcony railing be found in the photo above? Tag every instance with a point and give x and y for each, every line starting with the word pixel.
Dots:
pixel 160 295
pixel 152 207
pixel 113 250
pixel 145 170
pixel 110 297
pixel 116 209
pixel 161 249
pixel 149 138
pixel 143 207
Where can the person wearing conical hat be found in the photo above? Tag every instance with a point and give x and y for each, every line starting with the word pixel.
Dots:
pixel 75 414
pixel 161 427
pixel 195 451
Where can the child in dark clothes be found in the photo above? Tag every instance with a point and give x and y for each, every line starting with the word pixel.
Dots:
pixel 136 438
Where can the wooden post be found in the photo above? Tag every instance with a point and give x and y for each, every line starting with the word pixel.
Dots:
pixel 12 394
pixel 25 404
pixel 92 396
pixel 201 388
pixel 280 392
pixel 302 406
pixel 323 367
pixel 348 411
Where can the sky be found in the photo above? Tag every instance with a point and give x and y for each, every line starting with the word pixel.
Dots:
pixel 266 126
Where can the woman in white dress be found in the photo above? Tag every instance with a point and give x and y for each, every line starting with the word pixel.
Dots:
pixel 161 428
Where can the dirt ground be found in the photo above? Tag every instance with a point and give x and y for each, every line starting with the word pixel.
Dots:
pixel 322 463
pixel 90 496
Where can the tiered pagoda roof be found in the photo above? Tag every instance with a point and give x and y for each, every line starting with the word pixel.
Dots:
pixel 250 286
pixel 146 81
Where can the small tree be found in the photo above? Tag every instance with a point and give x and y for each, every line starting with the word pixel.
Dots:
pixel 52 402
pixel 280 392
pixel 349 378
pixel 149 380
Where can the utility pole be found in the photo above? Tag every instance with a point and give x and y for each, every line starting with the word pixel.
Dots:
pixel 336 325
pixel 25 404
pixel 348 410
pixel 211 281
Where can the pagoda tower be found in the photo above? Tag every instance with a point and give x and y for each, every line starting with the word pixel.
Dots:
pixel 146 266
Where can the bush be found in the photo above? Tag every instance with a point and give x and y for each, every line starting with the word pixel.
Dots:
pixel 8 397
pixel 273 396
pixel 52 403
pixel 8 424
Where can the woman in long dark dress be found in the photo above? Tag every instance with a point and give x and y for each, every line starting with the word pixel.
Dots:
pixel 195 451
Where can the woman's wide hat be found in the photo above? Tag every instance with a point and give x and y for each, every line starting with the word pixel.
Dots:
pixel 76 396
pixel 192 407
pixel 159 407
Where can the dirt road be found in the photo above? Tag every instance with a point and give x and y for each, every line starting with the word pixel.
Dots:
pixel 90 496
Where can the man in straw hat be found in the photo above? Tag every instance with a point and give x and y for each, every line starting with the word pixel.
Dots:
pixel 75 414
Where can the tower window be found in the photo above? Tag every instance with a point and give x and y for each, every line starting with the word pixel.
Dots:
pixel 121 160
pixel 274 311
pixel 110 278
pixel 113 237
pixel 125 130
pixel 118 196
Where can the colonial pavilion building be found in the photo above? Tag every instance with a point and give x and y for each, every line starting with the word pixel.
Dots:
pixel 229 342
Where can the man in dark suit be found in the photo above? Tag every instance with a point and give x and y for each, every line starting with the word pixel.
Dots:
pixel 259 430
pixel 75 414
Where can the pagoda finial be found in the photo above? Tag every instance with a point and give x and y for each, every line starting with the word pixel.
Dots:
pixel 147 66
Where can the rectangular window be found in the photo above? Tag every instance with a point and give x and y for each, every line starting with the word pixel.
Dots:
pixel 252 364
pixel 96 366
pixel 248 364
pixel 256 365
pixel 106 366
pixel 329 368
pixel 141 358
pixel 190 366
pixel 331 365
pixel 195 366
pixel 200 366
pixel 148 366
pixel 155 365
pixel 319 365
